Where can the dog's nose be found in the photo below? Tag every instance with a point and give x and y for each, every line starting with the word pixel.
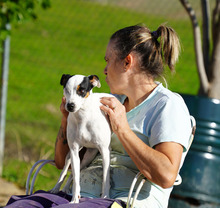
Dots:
pixel 70 107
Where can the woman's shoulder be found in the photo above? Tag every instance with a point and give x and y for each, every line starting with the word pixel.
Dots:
pixel 164 100
pixel 165 95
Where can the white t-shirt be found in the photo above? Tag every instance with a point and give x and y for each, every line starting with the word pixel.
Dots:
pixel 161 117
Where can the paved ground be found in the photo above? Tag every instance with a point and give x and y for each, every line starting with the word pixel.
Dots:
pixel 6 190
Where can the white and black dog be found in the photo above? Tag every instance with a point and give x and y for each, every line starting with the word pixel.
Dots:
pixel 87 126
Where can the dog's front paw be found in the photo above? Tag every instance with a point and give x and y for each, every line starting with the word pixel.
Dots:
pixel 75 200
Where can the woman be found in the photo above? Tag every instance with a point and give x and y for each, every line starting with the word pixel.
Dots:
pixel 151 124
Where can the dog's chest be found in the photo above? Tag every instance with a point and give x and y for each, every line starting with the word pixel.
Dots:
pixel 84 127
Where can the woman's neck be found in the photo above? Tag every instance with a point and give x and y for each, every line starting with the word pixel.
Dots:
pixel 137 94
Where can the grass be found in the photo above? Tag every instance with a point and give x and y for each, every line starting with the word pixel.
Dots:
pixel 71 37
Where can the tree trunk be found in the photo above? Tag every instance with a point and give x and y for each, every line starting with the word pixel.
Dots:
pixel 214 91
pixel 206 34
pixel 204 83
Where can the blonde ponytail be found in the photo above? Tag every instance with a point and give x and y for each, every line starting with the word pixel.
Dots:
pixel 169 46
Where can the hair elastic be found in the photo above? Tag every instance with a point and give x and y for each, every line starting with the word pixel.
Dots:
pixel 154 34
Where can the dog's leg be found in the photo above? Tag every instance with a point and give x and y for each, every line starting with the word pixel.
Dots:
pixel 66 188
pixel 75 164
pixel 62 175
pixel 87 159
pixel 105 152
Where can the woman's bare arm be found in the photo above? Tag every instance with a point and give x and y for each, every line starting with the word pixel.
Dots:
pixel 61 146
pixel 159 165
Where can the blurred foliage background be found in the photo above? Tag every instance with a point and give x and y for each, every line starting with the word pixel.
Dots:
pixel 71 37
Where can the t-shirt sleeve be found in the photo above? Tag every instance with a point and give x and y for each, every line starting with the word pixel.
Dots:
pixel 170 122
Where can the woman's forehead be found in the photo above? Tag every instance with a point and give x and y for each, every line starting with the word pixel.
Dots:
pixel 109 50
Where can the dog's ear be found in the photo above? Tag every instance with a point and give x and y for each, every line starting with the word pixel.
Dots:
pixel 64 79
pixel 94 80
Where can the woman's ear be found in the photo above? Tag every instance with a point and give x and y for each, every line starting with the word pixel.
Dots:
pixel 128 62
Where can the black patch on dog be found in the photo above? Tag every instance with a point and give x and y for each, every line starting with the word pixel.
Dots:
pixel 64 79
pixel 84 88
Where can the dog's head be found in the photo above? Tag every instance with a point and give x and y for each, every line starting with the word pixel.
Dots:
pixel 77 88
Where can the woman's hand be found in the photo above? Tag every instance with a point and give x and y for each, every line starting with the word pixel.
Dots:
pixel 116 112
pixel 62 107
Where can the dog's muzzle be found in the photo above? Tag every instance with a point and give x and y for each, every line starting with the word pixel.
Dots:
pixel 70 107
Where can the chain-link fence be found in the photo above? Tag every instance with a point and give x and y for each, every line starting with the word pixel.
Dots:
pixel 71 37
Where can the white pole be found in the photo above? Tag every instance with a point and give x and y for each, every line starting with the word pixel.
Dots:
pixel 4 90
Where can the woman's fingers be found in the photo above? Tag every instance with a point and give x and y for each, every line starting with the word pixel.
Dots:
pixel 116 112
pixel 62 107
pixel 109 103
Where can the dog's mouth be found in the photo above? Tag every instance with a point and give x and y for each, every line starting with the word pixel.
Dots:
pixel 70 107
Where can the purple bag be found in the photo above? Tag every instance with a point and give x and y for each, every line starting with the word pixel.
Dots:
pixel 42 199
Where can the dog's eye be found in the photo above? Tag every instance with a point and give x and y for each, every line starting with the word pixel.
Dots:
pixel 82 91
